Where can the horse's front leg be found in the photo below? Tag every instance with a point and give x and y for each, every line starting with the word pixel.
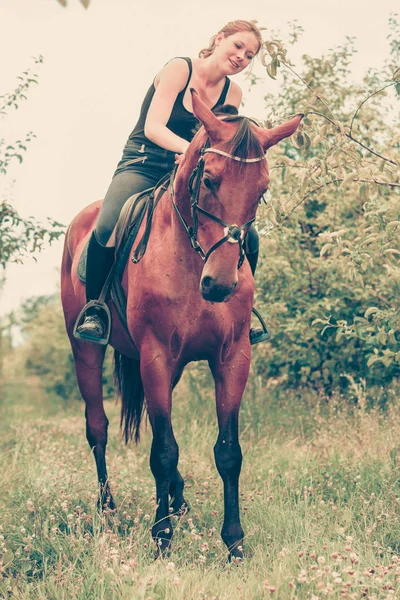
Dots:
pixel 178 503
pixel 88 365
pixel 230 381
pixel 157 377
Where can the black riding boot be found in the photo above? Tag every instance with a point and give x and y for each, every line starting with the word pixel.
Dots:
pixel 98 264
pixel 257 334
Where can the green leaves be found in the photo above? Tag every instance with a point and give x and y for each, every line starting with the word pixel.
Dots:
pixel 333 243
pixel 20 236
pixel 85 3
pixel 272 68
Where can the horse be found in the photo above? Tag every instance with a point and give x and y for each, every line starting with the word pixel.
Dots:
pixel 189 298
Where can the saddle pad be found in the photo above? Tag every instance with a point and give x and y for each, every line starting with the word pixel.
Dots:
pixel 82 264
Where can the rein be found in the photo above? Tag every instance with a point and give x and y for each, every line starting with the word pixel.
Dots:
pixel 232 233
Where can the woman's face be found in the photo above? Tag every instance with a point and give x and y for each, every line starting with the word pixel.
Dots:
pixel 236 51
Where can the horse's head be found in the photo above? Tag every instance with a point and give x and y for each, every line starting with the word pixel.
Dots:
pixel 227 173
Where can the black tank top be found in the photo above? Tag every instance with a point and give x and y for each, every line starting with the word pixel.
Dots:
pixel 181 122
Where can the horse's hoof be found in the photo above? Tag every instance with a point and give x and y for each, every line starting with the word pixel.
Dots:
pixel 180 510
pixel 163 548
pixel 106 504
pixel 237 554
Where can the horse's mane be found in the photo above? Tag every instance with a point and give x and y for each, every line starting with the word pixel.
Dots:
pixel 244 143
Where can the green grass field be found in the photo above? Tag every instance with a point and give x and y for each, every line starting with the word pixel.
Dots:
pixel 320 501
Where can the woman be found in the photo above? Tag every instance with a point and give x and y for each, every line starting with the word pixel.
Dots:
pixel 161 136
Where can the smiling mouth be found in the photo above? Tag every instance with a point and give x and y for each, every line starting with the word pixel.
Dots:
pixel 234 64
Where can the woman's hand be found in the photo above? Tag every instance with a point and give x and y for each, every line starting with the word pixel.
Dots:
pixel 179 158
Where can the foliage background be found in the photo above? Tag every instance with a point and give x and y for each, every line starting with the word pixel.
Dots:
pixel 328 278
pixel 320 416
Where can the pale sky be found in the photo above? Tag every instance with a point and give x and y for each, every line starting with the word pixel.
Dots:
pixel 98 64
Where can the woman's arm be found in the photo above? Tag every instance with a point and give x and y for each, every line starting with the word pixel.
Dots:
pixel 169 82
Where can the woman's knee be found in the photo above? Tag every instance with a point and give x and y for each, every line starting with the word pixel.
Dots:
pixel 252 240
pixel 123 186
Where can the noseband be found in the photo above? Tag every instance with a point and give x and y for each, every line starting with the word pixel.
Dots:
pixel 232 233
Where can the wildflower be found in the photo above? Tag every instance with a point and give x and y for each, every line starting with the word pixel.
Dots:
pixel 302 578
pixel 176 581
pixel 170 566
pixel 354 558
pixel 321 560
pixel 30 506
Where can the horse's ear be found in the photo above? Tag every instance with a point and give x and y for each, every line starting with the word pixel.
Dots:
pixel 270 137
pixel 216 129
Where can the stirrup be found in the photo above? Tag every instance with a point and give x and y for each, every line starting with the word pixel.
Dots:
pixel 101 307
pixel 265 334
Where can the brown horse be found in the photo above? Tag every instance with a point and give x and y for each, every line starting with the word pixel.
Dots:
pixel 184 304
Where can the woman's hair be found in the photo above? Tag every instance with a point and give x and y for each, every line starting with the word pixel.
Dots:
pixel 229 29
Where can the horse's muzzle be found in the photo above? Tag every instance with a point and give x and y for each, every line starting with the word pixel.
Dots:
pixel 213 291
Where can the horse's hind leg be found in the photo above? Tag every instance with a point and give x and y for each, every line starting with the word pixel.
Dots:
pixel 89 365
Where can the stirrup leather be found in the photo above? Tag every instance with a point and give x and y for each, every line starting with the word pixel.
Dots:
pixel 266 334
pixel 100 307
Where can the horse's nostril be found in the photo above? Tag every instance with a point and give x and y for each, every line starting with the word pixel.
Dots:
pixel 207 282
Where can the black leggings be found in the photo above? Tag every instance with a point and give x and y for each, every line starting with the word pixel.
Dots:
pixel 126 183
pixel 122 187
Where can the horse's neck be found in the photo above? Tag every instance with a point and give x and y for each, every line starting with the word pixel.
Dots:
pixel 177 237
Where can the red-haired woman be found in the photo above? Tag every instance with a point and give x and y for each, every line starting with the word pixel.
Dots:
pixel 164 130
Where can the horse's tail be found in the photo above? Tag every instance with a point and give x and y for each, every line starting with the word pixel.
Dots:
pixel 129 382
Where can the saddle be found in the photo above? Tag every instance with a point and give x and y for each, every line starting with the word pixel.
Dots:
pixel 130 220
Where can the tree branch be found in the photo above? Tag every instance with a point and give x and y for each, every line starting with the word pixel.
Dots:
pixel 352 138
pixel 308 86
pixel 333 123
pixel 366 99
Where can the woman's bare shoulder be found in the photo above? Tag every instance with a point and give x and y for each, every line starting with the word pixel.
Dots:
pixel 234 95
pixel 177 70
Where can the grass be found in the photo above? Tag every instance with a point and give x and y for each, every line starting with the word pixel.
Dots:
pixel 320 500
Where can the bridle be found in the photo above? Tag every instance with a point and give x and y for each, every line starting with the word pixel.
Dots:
pixel 232 233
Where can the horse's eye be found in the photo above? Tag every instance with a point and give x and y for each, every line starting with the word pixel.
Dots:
pixel 207 182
